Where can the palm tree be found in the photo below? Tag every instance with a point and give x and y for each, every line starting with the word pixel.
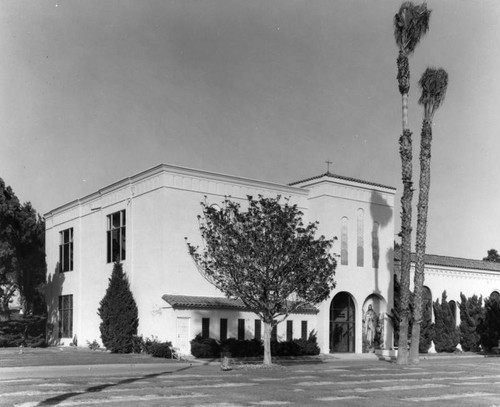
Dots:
pixel 433 84
pixel 410 24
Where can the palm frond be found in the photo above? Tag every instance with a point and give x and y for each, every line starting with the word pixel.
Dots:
pixel 433 84
pixel 410 24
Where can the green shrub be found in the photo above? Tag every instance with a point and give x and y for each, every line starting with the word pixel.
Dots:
pixel 242 348
pixel 210 348
pixel 490 326
pixel 471 314
pixel 119 314
pixel 27 331
pixel 205 347
pixel 446 334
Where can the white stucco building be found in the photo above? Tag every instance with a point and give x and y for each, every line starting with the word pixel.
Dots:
pixel 142 221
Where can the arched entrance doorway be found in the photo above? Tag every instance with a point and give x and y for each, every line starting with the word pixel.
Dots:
pixel 342 323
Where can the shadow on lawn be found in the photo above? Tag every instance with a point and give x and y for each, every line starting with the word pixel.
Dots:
pixel 94 389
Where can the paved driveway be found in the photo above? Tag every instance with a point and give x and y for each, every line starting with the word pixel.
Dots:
pixel 454 381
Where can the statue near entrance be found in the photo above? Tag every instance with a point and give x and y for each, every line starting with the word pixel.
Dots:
pixel 373 330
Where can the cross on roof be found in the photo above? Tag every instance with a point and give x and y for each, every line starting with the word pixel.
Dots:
pixel 328 162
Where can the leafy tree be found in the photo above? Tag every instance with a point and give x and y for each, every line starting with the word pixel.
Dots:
pixel 490 326
pixel 266 257
pixel 493 256
pixel 119 314
pixel 410 24
pixel 22 254
pixel 446 334
pixel 471 314
pixel 433 84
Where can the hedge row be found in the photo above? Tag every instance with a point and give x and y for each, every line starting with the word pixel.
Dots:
pixel 210 348
pixel 26 331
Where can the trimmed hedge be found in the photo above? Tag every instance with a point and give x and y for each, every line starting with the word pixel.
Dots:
pixel 27 331
pixel 152 346
pixel 209 348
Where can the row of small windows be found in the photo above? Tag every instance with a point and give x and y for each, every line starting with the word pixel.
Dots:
pixel 205 329
pixel 360 241
pixel 115 242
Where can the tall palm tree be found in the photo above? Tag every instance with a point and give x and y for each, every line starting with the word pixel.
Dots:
pixel 433 84
pixel 410 24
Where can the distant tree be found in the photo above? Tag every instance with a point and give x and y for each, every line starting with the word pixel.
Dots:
pixel 426 326
pixel 493 256
pixel 489 327
pixel 395 315
pixel 471 315
pixel 446 334
pixel 410 24
pixel 433 84
pixel 22 254
pixel 266 257
pixel 119 314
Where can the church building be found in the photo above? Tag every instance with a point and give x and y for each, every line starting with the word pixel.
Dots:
pixel 142 221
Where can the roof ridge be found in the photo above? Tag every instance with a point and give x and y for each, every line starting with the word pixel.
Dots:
pixel 342 177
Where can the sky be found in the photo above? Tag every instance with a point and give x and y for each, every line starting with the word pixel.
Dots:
pixel 93 91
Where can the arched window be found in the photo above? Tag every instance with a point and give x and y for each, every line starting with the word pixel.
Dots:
pixel 360 239
pixel 343 241
pixel 375 245
pixel 495 295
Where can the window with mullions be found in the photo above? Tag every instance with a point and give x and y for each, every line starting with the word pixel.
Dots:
pixel 66 250
pixel 116 237
pixel 66 316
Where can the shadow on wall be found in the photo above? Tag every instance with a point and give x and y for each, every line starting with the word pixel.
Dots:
pixel 53 289
pixel 382 214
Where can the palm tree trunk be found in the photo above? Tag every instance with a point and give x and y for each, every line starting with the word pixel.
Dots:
pixel 405 151
pixel 267 343
pixel 421 236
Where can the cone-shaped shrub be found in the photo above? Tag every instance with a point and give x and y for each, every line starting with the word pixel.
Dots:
pixel 471 313
pixel 426 326
pixel 119 314
pixel 446 335
pixel 490 326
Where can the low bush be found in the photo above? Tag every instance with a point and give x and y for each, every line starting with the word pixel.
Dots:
pixel 205 347
pixel 242 348
pixel 24 330
pixel 152 346
pixel 210 348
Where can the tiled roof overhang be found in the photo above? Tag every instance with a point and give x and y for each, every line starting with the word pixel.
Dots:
pixel 341 177
pixel 455 262
pixel 196 302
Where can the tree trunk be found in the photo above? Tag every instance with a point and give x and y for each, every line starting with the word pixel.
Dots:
pixel 267 343
pixel 406 210
pixel 405 151
pixel 421 236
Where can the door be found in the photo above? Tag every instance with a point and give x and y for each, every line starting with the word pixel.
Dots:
pixel 342 323
pixel 183 335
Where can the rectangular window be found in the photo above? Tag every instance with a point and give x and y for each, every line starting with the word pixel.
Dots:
pixel 258 328
pixel 205 327
pixel 241 329
pixel 304 330
pixel 274 333
pixel 66 316
pixel 289 330
pixel 66 250
pixel 223 329
pixel 116 237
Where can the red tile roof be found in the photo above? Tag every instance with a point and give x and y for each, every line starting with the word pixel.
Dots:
pixel 456 262
pixel 194 302
pixel 329 174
